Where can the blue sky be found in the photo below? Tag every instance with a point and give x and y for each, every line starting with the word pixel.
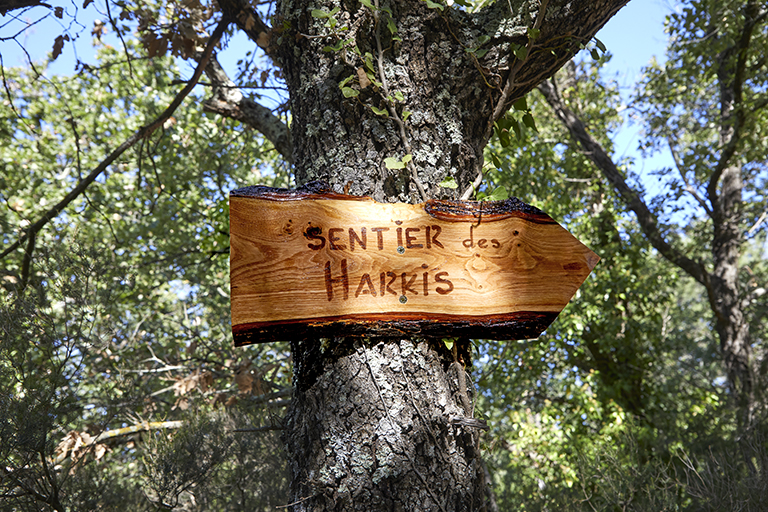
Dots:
pixel 633 36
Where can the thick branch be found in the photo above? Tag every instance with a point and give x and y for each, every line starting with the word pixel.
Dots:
pixel 249 21
pixel 631 198
pixel 228 101
pixel 10 5
pixel 142 133
pixel 561 27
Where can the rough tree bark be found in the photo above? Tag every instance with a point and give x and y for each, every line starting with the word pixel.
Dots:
pixel 385 424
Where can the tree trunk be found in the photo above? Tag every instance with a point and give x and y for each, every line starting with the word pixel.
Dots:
pixel 377 426
pixel 386 424
pixel 725 195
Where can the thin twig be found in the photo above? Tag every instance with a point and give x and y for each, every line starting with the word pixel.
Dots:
pixel 295 502
pixel 10 97
pixel 507 91
pixel 259 429
pixel 120 36
pixel 688 187
pixel 758 223
pixel 392 112
pixel 473 187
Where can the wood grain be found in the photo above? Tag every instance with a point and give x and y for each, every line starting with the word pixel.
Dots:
pixel 310 262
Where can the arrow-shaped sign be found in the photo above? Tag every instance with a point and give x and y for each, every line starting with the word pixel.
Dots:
pixel 310 262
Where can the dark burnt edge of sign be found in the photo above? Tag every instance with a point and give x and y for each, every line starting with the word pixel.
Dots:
pixel 513 326
pixel 485 211
pixel 312 190
pixel 452 211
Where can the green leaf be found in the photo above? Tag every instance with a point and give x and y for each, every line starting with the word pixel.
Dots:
pixel 448 344
pixel 498 194
pixel 391 26
pixel 480 53
pixel 521 104
pixel 529 122
pixel 335 48
pixel 406 114
pixel 449 182
pixel 319 13
pixel 504 138
pixel 595 54
pixel 346 81
pixel 534 33
pixel 368 4
pixel 372 78
pixel 368 58
pixel 379 111
pixel 399 96
pixel 600 45
pixel 434 5
pixel 393 163
pixel 520 53
pixel 505 123
pixel 482 40
pixel 496 162
pixel 349 92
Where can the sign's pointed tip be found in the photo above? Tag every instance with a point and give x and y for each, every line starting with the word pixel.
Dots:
pixel 592 260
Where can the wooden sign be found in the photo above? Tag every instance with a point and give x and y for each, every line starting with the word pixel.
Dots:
pixel 310 262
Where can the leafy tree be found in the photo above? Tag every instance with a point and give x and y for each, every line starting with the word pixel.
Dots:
pixel 122 327
pixel 706 105
pixel 385 99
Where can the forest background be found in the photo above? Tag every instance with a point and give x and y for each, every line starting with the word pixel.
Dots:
pixel 119 384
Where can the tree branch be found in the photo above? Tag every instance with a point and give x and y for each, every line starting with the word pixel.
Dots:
pixel 688 187
pixel 558 39
pixel 228 101
pixel 248 20
pixel 503 104
pixel 7 6
pixel 549 44
pixel 731 98
pixel 631 198
pixel 142 133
